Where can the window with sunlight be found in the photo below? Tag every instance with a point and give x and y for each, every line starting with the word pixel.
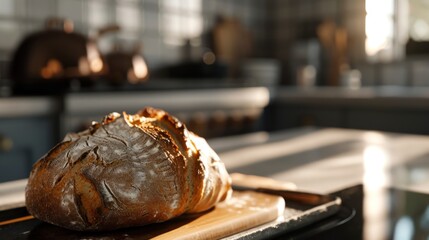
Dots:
pixel 379 28
pixel 181 20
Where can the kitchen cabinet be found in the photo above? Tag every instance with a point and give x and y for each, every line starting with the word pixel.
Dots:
pixel 24 141
pixel 285 116
pixel 390 120
pixel 397 109
pixel 28 129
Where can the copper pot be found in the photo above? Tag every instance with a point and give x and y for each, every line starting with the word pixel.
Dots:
pixel 126 66
pixel 48 60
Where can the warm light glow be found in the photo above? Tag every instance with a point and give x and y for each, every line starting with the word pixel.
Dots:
pixel 94 59
pixel 182 19
pixel 378 25
pixel 420 30
pixel 140 67
pixel 384 7
pixel 379 31
pixel 374 138
pixel 209 58
pixel 68 26
pixel 96 65
pixel 84 66
pixel 53 67
pixel 376 165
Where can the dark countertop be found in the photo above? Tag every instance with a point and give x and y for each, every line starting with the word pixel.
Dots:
pixel 314 159
pixel 383 176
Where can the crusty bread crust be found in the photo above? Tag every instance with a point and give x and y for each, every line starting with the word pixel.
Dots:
pixel 128 170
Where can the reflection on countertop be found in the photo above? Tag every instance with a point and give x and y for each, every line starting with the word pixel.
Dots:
pixel 391 169
pixel 330 159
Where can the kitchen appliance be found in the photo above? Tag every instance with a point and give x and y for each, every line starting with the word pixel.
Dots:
pixel 126 66
pixel 55 59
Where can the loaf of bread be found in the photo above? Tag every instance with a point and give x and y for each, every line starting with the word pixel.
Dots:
pixel 128 170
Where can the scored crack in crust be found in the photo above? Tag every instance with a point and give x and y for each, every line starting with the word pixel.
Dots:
pixel 128 170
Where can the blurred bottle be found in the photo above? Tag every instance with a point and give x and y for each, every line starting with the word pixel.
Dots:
pixel 306 76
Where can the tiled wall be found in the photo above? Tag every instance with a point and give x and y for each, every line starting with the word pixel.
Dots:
pixel 296 22
pixel 409 72
pixel 161 26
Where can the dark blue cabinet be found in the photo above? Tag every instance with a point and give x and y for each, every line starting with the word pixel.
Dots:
pixel 25 140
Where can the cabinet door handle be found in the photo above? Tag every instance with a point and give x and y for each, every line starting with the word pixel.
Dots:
pixel 6 144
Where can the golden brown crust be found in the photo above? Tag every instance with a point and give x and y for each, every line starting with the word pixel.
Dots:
pixel 126 171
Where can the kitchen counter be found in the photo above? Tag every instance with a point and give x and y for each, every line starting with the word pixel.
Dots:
pixel 162 97
pixel 410 97
pixel 199 99
pixel 28 106
pixel 384 177
pixel 229 95
pixel 329 159
pixel 389 109
pixel 382 96
pixel 320 161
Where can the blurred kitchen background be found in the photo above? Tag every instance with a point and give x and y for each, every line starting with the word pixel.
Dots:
pixel 224 67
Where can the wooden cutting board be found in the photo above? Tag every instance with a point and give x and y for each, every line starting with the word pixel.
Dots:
pixel 243 211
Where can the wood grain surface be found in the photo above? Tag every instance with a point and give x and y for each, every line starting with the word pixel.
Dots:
pixel 243 211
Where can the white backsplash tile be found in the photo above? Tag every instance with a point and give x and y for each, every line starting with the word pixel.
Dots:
pixel 141 20
pixel 129 16
pixel 7 8
pixel 101 13
pixel 72 10
pixel 150 21
pixel 10 34
pixel 41 9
